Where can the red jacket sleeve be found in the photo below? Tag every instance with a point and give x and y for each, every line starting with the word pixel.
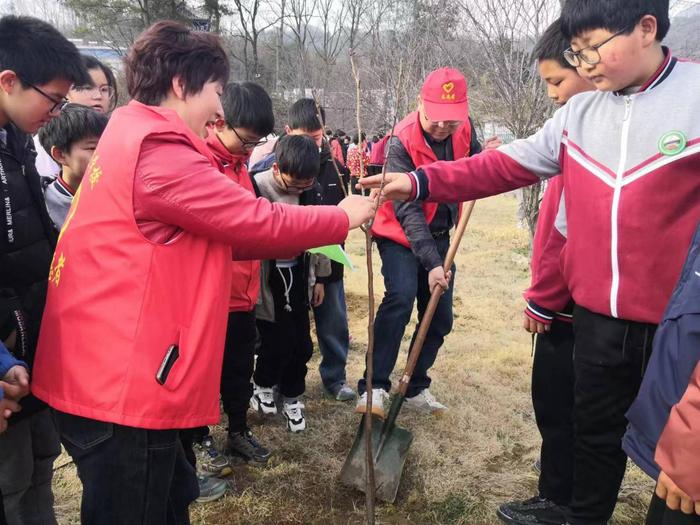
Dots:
pixel 548 290
pixel 483 175
pixel 175 185
pixel 520 163
pixel 678 450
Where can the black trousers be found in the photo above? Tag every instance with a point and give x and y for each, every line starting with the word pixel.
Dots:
pixel 610 358
pixel 129 475
pixel 286 345
pixel 660 514
pixel 236 372
pixel 239 359
pixel 553 401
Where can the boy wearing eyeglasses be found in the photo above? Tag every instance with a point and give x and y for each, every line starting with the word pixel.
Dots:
pixel 629 154
pixel 288 288
pixel 548 315
pixel 37 68
pixel 304 118
pixel 248 117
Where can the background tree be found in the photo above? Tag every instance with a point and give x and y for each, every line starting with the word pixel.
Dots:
pixel 510 91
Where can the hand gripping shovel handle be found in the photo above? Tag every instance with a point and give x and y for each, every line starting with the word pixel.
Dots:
pixel 434 300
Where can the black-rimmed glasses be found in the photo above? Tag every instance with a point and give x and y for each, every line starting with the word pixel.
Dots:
pixel 302 189
pixel 249 143
pixel 287 186
pixel 58 105
pixel 590 55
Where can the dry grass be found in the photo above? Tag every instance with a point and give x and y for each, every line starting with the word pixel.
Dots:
pixel 460 466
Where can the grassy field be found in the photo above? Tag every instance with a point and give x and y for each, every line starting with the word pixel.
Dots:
pixel 461 465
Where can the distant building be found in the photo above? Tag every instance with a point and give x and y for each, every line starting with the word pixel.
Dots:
pixel 112 56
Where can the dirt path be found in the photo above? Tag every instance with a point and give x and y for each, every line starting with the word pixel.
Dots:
pixel 460 466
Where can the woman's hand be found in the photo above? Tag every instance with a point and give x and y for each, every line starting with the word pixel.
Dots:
pixel 397 186
pixel 675 498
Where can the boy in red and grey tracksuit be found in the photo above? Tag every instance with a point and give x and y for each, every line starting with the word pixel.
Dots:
pixel 550 306
pixel 548 315
pixel 629 154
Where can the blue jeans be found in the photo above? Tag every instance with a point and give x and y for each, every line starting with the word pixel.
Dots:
pixel 129 475
pixel 406 282
pixel 333 335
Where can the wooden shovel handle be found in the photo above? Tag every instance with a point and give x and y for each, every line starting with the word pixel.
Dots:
pixel 434 300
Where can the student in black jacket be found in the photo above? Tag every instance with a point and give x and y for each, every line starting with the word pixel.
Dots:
pixel 37 68
pixel 287 288
pixel 331 316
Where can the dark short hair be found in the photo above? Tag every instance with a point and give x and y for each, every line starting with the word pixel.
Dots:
pixel 247 105
pixel 38 53
pixel 298 157
pixel 551 46
pixel 75 123
pixel 356 138
pixel 303 114
pixel 168 49
pixel 578 16
pixel 91 62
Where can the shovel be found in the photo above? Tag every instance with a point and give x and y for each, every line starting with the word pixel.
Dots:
pixel 390 443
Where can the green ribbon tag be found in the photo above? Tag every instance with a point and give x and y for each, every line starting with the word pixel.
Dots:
pixel 335 253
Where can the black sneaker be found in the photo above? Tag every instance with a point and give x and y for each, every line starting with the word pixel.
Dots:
pixel 534 511
pixel 244 445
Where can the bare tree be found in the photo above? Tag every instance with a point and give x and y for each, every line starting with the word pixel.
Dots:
pixel 249 27
pixel 280 43
pixel 332 39
pixel 215 10
pixel 56 13
pixel 511 92
pixel 120 21
pixel 301 13
pixel 355 15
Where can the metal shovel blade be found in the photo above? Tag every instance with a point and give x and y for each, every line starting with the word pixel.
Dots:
pixel 388 461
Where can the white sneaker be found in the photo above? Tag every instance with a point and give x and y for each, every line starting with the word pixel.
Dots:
pixel 379 396
pixel 263 400
pixel 426 403
pixel 293 410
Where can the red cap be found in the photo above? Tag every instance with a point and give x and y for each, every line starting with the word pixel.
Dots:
pixel 444 95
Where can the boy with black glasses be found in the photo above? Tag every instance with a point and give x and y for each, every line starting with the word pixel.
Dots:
pixel 248 118
pixel 304 118
pixel 548 315
pixel 37 68
pixel 283 308
pixel 629 155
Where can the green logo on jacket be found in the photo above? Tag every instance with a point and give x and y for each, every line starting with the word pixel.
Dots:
pixel 672 143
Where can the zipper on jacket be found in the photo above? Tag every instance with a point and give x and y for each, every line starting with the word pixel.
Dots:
pixel 614 241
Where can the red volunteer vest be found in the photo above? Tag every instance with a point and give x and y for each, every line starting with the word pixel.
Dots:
pixel 117 302
pixel 245 275
pixel 410 133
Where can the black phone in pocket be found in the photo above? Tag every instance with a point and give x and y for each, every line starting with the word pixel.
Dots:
pixel 171 356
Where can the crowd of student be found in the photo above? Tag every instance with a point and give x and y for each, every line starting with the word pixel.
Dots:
pixel 151 252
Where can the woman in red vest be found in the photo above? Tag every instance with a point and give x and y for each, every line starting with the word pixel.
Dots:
pixel 131 344
pixel 413 238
